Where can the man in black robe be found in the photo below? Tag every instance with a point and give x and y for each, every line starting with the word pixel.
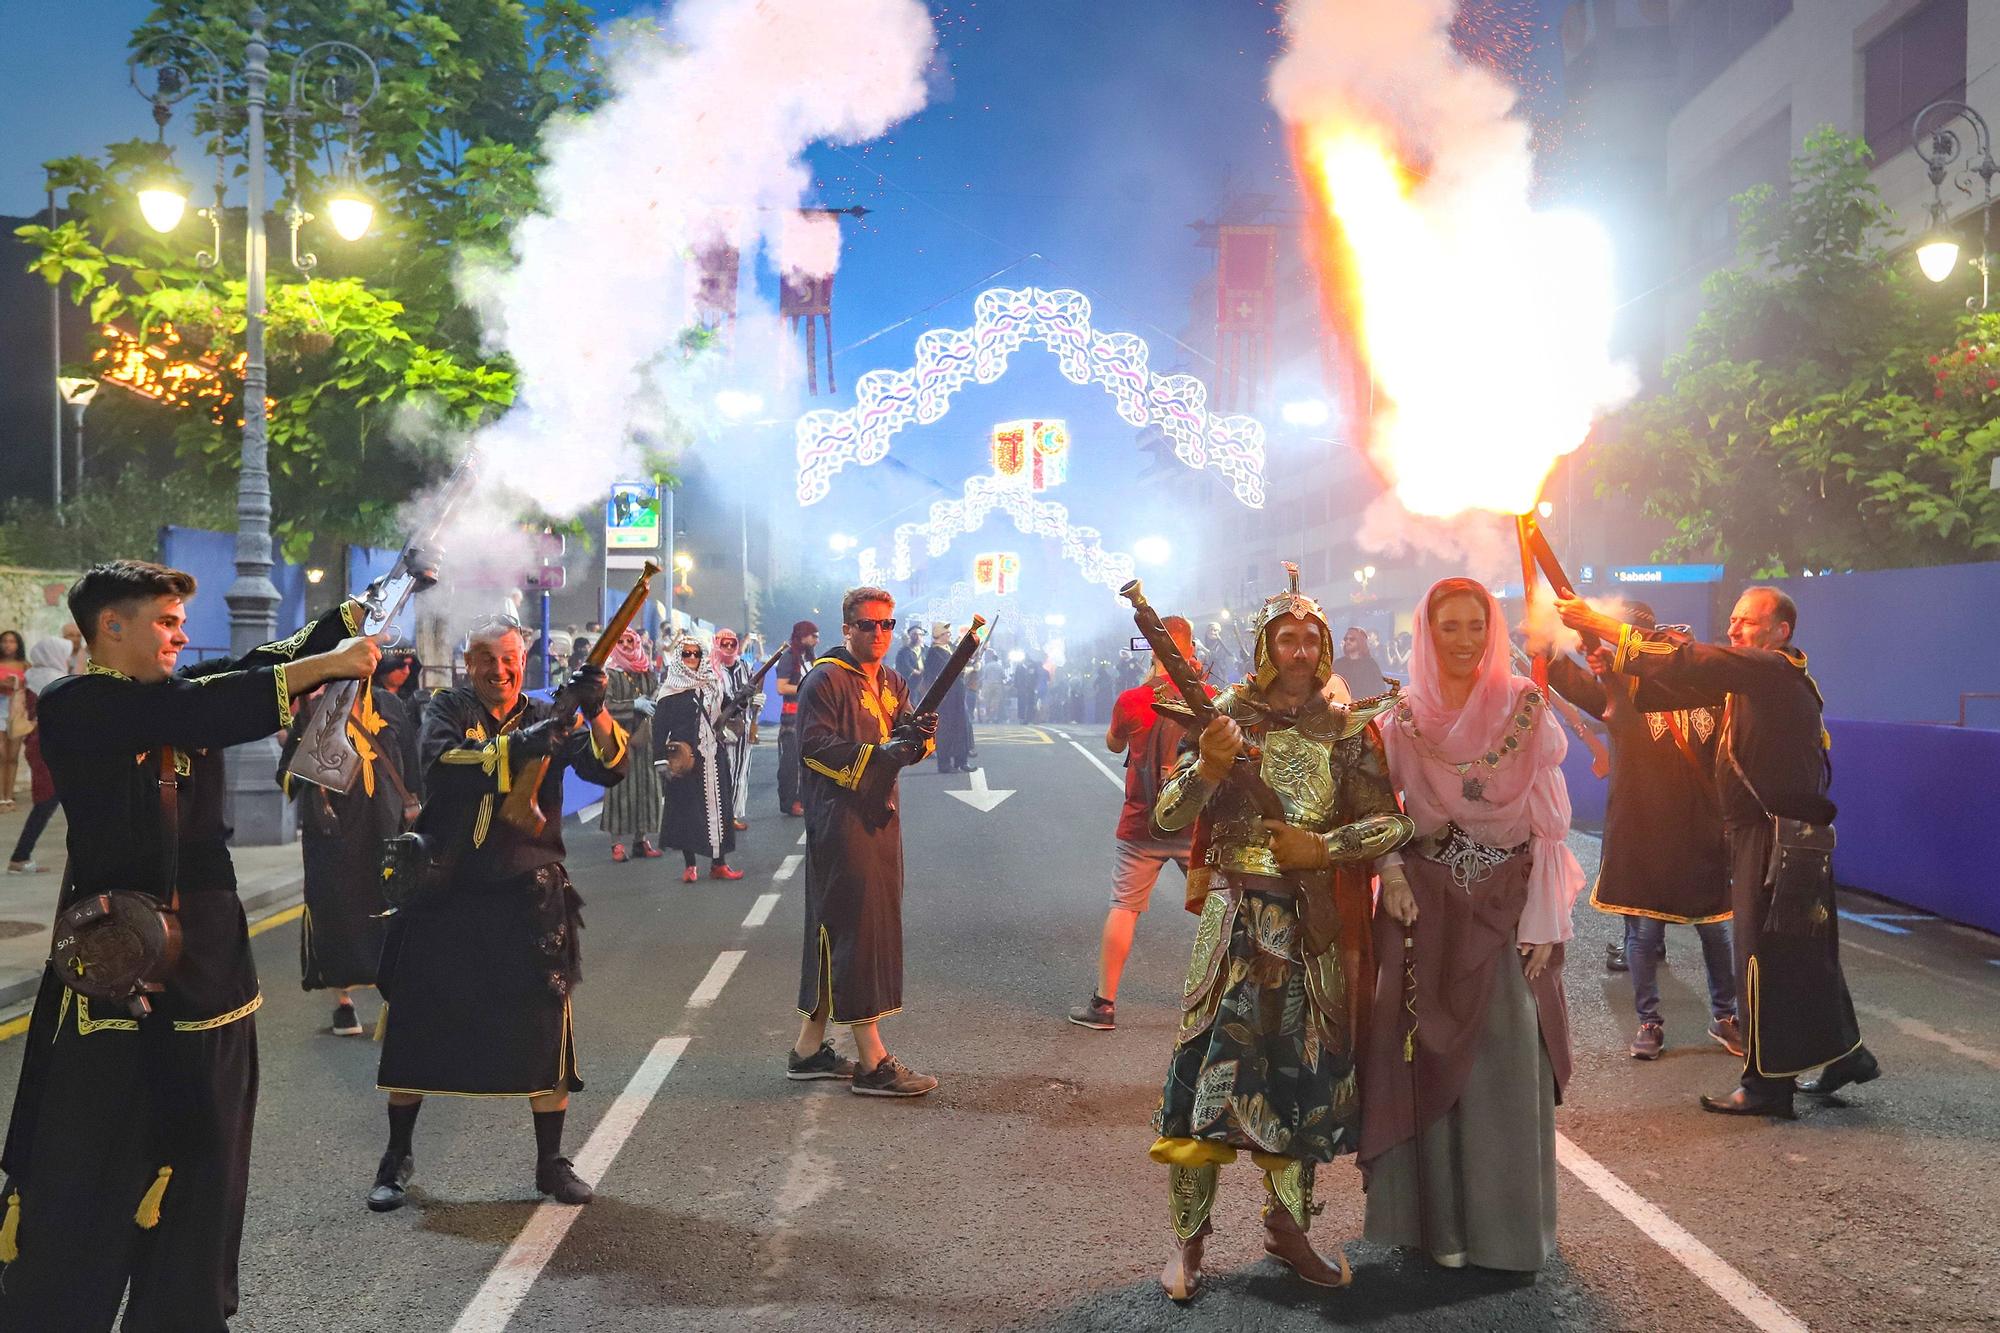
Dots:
pixel 1664 856
pixel 856 734
pixel 1771 765
pixel 954 733
pixel 792 671
pixel 1357 667
pixel 128 1152
pixel 341 836
pixel 478 976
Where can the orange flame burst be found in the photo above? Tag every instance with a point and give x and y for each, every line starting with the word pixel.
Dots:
pixel 1483 325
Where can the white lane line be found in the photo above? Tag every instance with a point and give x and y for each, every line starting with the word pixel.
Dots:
pixel 1922 1031
pixel 802 839
pixel 787 867
pixel 760 911
pixel 1743 1295
pixel 1987 991
pixel 718 976
pixel 1102 767
pixel 494 1304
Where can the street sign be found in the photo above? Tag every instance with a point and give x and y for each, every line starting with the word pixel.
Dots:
pixel 632 517
pixel 1657 574
pixel 549 578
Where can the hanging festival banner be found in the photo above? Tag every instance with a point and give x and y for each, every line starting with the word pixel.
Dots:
pixel 1004 319
pixel 997 573
pixel 806 303
pixel 951 519
pixel 715 286
pixel 1034 454
pixel 1246 294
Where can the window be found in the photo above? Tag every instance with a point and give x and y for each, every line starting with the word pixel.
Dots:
pixel 1713 33
pixel 1709 213
pixel 1907 68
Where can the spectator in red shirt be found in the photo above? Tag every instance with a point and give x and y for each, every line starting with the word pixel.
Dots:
pixel 1150 744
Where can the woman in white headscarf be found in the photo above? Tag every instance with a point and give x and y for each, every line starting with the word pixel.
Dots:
pixel 48 662
pixel 696 819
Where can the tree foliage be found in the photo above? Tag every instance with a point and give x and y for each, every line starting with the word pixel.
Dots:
pixel 1829 411
pixel 372 349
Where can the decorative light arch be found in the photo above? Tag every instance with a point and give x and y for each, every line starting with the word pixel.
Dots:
pixel 951 519
pixel 1004 318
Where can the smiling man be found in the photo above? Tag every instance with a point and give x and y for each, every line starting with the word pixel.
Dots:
pixel 478 976
pixel 126 1125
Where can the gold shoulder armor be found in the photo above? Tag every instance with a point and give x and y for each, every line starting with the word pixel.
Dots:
pixel 1363 711
pixel 1238 701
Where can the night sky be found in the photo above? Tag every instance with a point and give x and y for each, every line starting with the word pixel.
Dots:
pixel 1090 134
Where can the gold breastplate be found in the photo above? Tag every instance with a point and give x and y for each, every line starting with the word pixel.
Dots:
pixel 1299 768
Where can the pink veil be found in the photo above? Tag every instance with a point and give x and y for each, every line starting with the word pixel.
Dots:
pixel 1459 734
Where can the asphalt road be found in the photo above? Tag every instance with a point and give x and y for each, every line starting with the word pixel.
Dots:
pixel 1018 1196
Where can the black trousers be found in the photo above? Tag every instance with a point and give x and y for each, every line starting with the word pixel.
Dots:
pixel 1749 863
pixel 788 767
pixel 93 1157
pixel 31 831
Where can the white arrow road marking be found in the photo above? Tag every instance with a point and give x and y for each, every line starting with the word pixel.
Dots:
pixel 982 797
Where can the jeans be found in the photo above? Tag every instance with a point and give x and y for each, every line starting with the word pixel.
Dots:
pixel 38 819
pixel 1643 935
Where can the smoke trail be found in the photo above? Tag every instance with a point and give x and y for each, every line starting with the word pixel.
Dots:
pixel 700 143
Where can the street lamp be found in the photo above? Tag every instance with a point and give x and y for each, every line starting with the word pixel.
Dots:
pixel 1364 576
pixel 165 71
pixel 1941 147
pixel 77 391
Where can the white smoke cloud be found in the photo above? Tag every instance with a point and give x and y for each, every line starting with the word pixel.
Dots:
pixel 701 143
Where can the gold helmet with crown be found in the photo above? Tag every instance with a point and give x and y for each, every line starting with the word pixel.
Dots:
pixel 1290 602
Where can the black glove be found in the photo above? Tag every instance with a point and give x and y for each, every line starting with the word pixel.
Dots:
pixel 539 738
pixel 586 690
pixel 911 738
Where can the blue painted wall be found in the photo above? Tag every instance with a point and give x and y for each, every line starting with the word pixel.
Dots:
pixel 211 558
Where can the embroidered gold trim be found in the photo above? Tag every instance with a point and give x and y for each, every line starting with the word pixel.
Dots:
pixel 479 825
pixel 94 668
pixel 221 1020
pixel 284 695
pixel 86 1025
pixel 289 646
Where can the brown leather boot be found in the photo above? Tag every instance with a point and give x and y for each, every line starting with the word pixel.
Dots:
pixel 1190 1195
pixel 1288 1210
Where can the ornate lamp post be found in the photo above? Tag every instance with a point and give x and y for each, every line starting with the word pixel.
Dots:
pixel 165 72
pixel 1942 147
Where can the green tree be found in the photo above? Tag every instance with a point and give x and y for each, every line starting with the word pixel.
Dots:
pixel 1829 411
pixel 448 152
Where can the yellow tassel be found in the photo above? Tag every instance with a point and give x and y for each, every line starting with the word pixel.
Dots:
pixel 10 1245
pixel 148 1215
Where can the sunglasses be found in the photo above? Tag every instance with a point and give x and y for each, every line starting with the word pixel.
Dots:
pixel 690 654
pixel 725 643
pixel 871 626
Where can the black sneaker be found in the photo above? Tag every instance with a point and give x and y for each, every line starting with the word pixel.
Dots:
pixel 391 1179
pixel 891 1079
pixel 556 1178
pixel 822 1063
pixel 1614 958
pixel 1648 1041
pixel 346 1023
pixel 1100 1014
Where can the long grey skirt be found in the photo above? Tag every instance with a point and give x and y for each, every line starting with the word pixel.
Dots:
pixel 1488 1164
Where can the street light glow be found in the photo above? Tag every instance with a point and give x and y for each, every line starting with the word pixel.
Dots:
pixel 1152 550
pixel 1938 256
pixel 1305 412
pixel 1545 508
pixel 162 203
pixel 683 561
pixel 352 213
pixel 841 543
pixel 1368 571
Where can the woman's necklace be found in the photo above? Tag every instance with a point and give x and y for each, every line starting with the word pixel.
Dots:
pixel 1472 784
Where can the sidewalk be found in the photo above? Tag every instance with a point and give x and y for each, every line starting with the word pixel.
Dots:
pixel 265 877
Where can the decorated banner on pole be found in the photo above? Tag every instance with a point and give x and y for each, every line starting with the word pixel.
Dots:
pixel 806 302
pixel 1246 294
pixel 1034 454
pixel 632 517
pixel 886 401
pixel 997 572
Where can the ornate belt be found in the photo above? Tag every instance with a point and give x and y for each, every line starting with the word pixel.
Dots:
pixel 1468 859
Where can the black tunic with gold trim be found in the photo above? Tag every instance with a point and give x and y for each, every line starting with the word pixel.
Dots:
pixel 854 845
pixel 121 1122
pixel 1266 1052
pixel 1771 764
pixel 478 981
pixel 341 836
pixel 1663 849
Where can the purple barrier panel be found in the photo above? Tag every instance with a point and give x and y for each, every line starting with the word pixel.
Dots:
pixel 578 791
pixel 1917 820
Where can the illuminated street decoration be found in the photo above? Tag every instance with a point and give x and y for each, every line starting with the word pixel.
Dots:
pixel 997 573
pixel 162 370
pixel 950 519
pixel 1032 453
pixel 1004 319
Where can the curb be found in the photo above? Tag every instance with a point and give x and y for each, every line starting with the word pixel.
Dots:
pixel 279 896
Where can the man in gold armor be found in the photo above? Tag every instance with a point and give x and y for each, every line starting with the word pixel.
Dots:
pixel 1264 1061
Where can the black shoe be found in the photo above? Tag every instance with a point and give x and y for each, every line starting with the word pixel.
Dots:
pixel 1857 1066
pixel 1100 1014
pixel 1614 958
pixel 391 1178
pixel 1740 1102
pixel 555 1177
pixel 346 1023
pixel 890 1079
pixel 822 1063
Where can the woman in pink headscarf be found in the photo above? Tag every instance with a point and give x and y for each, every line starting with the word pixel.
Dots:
pixel 1458 1115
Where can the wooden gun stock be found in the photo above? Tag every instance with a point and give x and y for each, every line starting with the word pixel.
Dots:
pixel 1535 548
pixel 521 809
